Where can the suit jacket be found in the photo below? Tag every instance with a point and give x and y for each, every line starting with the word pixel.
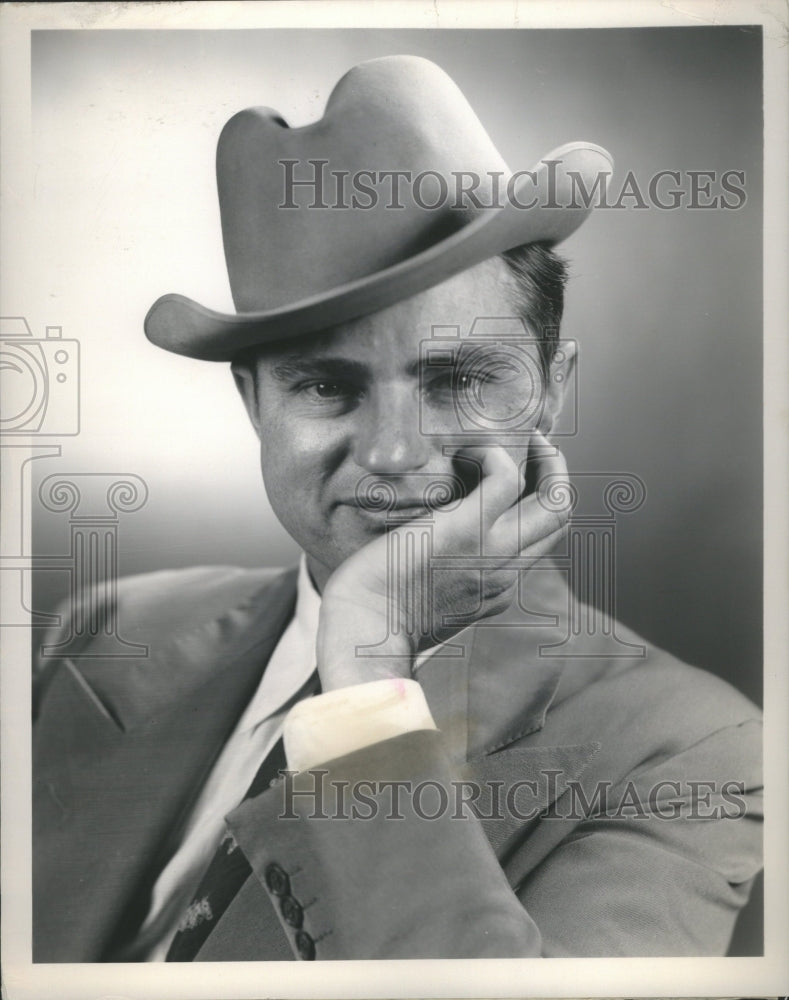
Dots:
pixel 616 800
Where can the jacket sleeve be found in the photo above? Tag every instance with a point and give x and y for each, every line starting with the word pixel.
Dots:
pixel 664 860
pixel 379 874
pixel 374 851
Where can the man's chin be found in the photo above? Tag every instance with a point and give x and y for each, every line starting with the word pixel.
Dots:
pixel 349 529
pixel 355 526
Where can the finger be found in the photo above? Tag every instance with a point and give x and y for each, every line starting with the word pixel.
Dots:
pixel 531 554
pixel 547 457
pixel 541 513
pixel 545 544
pixel 501 483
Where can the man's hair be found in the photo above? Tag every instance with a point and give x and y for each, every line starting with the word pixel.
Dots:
pixel 540 276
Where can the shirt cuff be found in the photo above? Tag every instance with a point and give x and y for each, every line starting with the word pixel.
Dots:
pixel 339 722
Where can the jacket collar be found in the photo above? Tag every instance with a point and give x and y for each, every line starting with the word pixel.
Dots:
pixel 148 746
pixel 489 688
pixel 500 688
pixel 181 664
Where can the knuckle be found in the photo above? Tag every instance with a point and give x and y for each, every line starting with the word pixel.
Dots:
pixel 499 583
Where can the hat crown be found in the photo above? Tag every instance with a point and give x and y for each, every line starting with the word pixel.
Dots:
pixel 305 257
pixel 308 209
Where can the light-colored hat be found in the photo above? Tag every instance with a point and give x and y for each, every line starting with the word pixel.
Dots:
pixel 397 188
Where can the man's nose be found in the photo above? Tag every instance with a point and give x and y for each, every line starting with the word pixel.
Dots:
pixel 388 439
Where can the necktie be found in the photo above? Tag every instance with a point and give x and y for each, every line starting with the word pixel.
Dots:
pixel 223 878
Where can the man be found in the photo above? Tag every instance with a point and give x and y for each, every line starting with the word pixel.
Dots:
pixel 452 787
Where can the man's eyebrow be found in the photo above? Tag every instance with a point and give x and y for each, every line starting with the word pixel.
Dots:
pixel 297 366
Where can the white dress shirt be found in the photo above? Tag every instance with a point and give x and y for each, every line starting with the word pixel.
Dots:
pixel 317 730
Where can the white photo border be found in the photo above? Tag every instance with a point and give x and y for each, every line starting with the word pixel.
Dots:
pixel 666 977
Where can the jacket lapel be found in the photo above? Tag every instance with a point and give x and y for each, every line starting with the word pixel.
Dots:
pixel 491 706
pixel 112 795
pixel 499 690
pixel 511 688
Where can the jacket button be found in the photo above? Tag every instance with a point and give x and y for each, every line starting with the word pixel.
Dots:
pixel 305 946
pixel 292 911
pixel 277 879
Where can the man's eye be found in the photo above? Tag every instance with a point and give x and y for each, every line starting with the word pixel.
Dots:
pixel 327 390
pixel 457 382
pixel 331 391
pixel 470 379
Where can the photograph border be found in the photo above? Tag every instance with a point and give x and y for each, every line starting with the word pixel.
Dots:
pixel 665 977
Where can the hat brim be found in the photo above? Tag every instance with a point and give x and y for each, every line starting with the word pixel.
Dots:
pixel 183 326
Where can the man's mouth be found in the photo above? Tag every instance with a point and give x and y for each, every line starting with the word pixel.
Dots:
pixel 415 503
pixel 383 498
pixel 405 510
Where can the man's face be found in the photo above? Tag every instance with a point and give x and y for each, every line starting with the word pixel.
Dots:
pixel 387 398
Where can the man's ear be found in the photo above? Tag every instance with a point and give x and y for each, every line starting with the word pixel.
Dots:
pixel 559 373
pixel 246 383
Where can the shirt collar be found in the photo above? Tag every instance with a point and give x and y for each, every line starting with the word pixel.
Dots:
pixel 308 603
pixel 292 662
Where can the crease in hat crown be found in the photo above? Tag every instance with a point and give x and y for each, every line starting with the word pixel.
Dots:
pixel 306 247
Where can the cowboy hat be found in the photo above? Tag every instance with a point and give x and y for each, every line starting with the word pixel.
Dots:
pixel 397 188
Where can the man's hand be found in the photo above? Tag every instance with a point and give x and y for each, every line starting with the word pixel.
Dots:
pixel 394 597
